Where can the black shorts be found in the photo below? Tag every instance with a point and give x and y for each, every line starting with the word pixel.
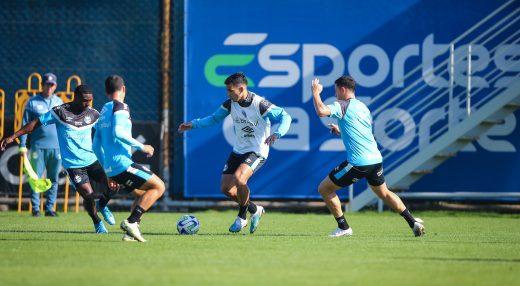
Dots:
pixel 83 175
pixel 345 174
pixel 134 177
pixel 250 158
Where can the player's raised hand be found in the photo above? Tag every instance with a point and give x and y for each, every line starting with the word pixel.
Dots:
pixel 334 129
pixel 4 142
pixel 148 150
pixel 185 126
pixel 317 88
pixel 270 140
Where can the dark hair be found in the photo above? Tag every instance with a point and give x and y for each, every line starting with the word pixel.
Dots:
pixel 113 83
pixel 235 79
pixel 80 90
pixel 346 82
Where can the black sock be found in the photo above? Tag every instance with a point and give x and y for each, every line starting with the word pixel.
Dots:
pixel 251 208
pixel 342 222
pixel 242 212
pixel 103 203
pixel 408 217
pixel 136 214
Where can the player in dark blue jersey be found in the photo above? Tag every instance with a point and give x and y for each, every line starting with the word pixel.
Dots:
pixel 112 144
pixel 74 122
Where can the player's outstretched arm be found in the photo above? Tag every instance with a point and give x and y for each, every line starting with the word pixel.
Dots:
pixel 321 109
pixel 218 116
pixel 26 129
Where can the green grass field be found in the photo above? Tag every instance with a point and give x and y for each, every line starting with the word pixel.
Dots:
pixel 288 249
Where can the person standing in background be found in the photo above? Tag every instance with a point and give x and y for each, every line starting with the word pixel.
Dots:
pixel 44 152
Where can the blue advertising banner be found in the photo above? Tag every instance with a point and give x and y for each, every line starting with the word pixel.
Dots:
pixel 282 45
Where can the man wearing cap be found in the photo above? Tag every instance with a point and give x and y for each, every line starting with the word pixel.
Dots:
pixel 44 152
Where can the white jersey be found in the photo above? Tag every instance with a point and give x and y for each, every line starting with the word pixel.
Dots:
pixel 251 128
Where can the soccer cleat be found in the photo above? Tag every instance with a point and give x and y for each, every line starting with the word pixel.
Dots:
pixel 100 227
pixel 107 214
pixel 238 225
pixel 418 227
pixel 341 232
pixel 255 218
pixel 133 230
pixel 128 238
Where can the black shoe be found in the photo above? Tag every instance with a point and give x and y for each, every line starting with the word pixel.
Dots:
pixel 35 213
pixel 50 213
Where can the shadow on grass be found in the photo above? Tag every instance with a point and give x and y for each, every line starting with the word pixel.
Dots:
pixel 45 231
pixel 236 234
pixel 463 259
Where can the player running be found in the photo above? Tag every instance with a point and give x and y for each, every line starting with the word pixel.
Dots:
pixel 74 122
pixel 252 115
pixel 112 144
pixel 363 158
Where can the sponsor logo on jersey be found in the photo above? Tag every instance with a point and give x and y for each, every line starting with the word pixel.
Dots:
pixel 249 131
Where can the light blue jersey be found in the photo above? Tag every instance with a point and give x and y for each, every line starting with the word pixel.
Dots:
pixel 113 140
pixel 74 134
pixel 355 125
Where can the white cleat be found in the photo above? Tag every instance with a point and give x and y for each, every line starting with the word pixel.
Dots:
pixel 133 230
pixel 128 238
pixel 418 227
pixel 238 225
pixel 341 232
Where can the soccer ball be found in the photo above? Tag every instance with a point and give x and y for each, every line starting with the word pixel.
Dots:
pixel 188 224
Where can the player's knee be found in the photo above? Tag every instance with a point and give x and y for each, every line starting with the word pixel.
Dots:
pixel 160 187
pixel 240 180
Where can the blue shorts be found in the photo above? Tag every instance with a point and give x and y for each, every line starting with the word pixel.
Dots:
pixel 133 177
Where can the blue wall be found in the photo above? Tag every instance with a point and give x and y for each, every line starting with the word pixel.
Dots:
pixel 276 56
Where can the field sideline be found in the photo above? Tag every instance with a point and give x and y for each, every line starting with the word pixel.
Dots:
pixel 288 249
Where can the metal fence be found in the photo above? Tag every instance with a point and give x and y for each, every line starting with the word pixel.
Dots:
pixel 92 39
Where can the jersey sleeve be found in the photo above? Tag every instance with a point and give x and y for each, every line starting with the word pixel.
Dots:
pixel 279 114
pixel 335 110
pixel 218 116
pixel 121 133
pixel 48 118
pixel 97 147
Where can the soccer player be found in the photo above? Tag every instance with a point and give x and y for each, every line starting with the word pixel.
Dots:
pixel 363 158
pixel 44 151
pixel 112 144
pixel 74 122
pixel 252 115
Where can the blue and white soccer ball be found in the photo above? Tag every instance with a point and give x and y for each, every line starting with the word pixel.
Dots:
pixel 188 224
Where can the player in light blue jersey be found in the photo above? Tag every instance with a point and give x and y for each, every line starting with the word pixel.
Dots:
pixel 354 125
pixel 74 124
pixel 252 116
pixel 112 144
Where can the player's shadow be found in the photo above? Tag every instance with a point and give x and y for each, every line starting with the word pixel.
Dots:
pixel 463 259
pixel 45 231
pixel 256 234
